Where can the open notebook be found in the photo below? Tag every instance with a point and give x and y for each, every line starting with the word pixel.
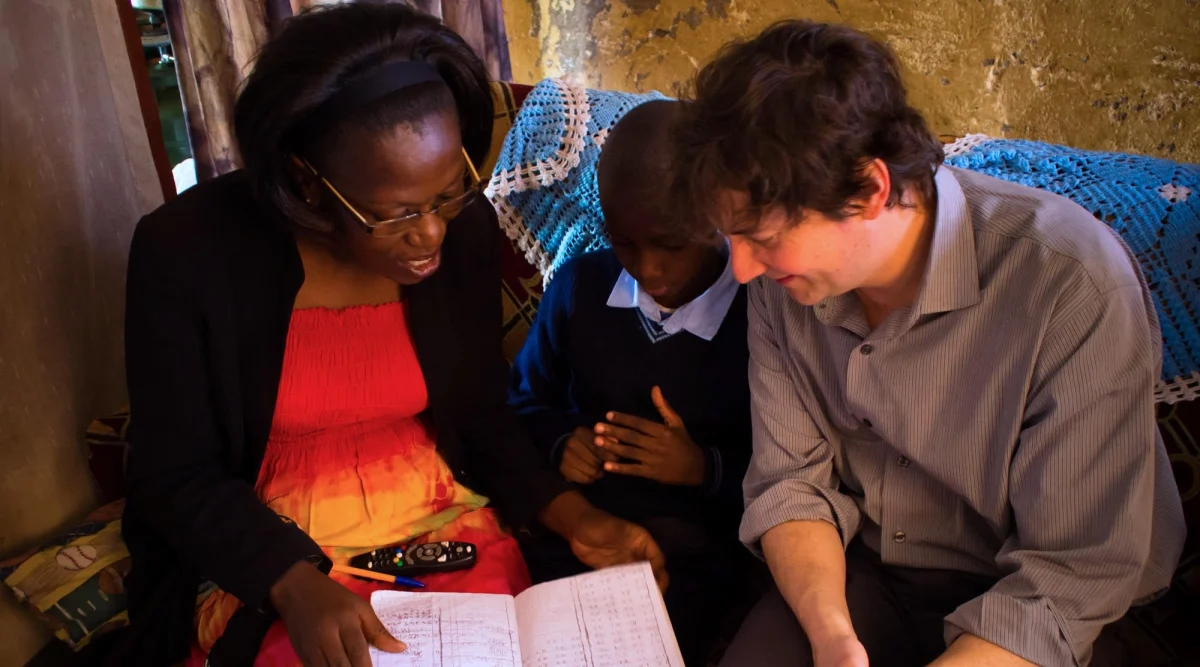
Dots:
pixel 605 618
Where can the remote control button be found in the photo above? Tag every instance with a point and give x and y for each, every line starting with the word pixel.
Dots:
pixel 442 559
pixel 469 548
pixel 445 544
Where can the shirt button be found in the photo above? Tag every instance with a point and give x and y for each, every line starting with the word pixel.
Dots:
pixel 866 349
pixel 903 462
pixel 899 536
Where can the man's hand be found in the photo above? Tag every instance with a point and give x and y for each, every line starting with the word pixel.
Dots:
pixel 582 460
pixel 328 625
pixel 599 539
pixel 809 566
pixel 844 651
pixel 661 452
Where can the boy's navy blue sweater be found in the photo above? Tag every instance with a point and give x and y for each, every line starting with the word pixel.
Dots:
pixel 584 358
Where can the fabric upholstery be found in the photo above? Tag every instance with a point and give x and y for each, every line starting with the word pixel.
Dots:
pixel 75 583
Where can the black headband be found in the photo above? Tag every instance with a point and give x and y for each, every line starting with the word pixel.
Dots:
pixel 365 89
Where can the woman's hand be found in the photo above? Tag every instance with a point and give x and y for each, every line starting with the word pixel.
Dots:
pixel 599 539
pixel 329 626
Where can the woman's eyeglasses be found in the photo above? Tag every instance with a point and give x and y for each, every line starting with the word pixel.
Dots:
pixel 447 210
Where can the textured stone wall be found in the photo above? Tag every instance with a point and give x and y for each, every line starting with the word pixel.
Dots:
pixel 1100 74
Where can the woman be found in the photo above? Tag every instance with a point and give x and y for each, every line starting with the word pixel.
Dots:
pixel 313 352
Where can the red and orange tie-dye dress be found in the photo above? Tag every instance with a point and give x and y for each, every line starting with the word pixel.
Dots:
pixel 352 463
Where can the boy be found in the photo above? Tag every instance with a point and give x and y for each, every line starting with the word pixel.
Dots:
pixel 633 381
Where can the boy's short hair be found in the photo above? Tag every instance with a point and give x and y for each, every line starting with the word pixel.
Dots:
pixel 790 118
pixel 635 164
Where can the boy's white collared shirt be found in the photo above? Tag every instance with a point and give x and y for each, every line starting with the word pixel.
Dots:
pixel 701 316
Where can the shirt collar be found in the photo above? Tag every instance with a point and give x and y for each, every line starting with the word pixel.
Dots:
pixel 701 316
pixel 951 279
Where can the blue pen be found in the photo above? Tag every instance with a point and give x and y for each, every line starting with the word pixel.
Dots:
pixel 378 576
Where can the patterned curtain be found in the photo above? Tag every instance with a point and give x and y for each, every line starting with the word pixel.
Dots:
pixel 215 42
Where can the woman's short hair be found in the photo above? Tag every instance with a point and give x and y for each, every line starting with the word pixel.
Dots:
pixel 315 55
pixel 790 118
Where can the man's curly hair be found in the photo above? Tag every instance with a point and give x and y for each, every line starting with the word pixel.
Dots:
pixel 790 118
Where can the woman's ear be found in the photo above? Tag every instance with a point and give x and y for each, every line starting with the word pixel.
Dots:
pixel 306 180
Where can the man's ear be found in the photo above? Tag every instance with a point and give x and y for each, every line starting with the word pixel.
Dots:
pixel 306 180
pixel 876 172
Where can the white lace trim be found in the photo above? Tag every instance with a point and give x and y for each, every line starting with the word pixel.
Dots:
pixel 1178 390
pixel 964 144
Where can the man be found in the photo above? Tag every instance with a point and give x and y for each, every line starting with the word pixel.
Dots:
pixel 955 453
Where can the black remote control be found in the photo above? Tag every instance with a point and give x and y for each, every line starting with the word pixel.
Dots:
pixel 418 559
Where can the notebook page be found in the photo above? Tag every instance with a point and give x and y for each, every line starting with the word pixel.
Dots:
pixel 448 629
pixel 609 618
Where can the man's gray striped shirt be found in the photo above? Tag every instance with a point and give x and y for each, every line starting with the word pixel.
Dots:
pixel 1003 424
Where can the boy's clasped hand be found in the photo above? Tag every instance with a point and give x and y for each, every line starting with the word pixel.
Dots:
pixel 629 445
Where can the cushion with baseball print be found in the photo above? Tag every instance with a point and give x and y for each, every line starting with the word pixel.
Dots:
pixel 75 583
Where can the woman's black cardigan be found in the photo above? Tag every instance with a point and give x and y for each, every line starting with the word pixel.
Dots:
pixel 212 281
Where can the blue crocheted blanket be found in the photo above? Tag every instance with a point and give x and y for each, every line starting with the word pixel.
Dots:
pixel 544 190
pixel 544 186
pixel 1153 204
